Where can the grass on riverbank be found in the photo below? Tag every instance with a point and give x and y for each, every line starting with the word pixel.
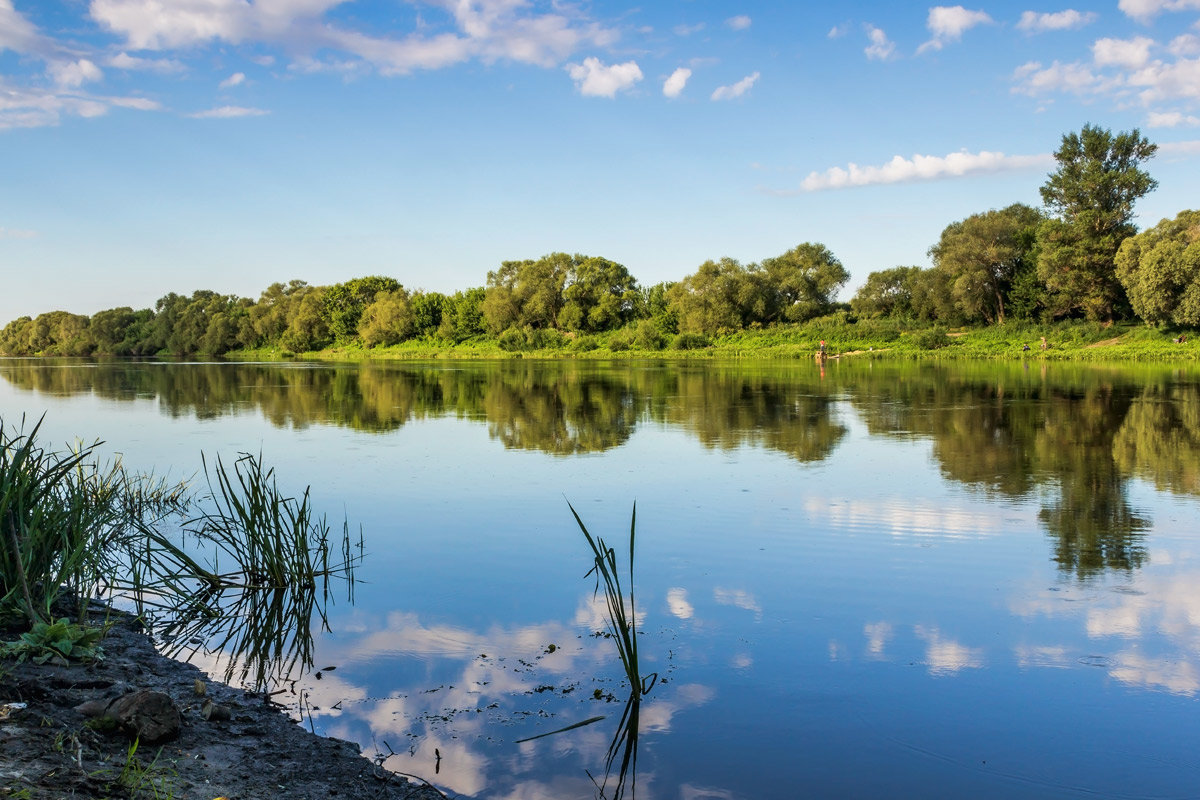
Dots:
pixel 1074 341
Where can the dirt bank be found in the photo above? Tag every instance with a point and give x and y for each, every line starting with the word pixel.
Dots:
pixel 48 749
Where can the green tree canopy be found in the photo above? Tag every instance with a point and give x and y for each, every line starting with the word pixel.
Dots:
pixel 804 281
pixel 526 293
pixel 344 303
pixel 1160 270
pixel 887 293
pixel 720 297
pixel 599 295
pixel 981 256
pixel 1091 197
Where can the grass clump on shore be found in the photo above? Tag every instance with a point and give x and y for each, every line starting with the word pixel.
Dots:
pixel 73 529
pixel 68 524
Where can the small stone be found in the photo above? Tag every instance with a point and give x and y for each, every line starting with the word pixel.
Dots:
pixel 150 716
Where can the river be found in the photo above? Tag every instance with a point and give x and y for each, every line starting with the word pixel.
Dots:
pixel 906 580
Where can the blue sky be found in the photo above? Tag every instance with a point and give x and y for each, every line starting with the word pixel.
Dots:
pixel 150 146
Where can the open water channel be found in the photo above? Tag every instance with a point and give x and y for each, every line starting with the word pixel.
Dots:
pixel 872 580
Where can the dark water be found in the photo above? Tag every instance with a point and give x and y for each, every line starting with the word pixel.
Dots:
pixel 885 580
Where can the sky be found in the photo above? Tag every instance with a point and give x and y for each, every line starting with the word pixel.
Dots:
pixel 155 146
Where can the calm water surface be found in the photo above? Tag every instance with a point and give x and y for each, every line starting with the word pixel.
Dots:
pixel 884 580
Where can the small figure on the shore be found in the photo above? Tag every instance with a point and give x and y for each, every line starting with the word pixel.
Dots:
pixel 1043 342
pixel 1025 348
pixel 1180 340
pixel 822 347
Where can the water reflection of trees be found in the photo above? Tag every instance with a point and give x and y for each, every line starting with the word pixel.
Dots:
pixel 562 409
pixel 726 409
pixel 1070 437
pixel 1060 437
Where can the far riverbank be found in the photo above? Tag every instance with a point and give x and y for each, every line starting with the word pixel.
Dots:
pixel 884 339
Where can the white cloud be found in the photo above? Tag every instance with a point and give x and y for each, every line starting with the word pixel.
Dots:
pixel 486 29
pixel 738 598
pixel 594 79
pixel 1187 44
pixel 73 74
pixel 1129 53
pixel 949 23
pixel 1188 148
pixel 236 79
pixel 17 33
pixel 229 112
pixel 735 90
pixel 878 635
pixel 946 656
pixel 1147 10
pixel 136 103
pixel 688 30
pixel 1033 79
pixel 838 31
pixel 881 48
pixel 1070 19
pixel 677 602
pixel 673 86
pixel 1159 81
pixel 738 23
pixel 16 233
pixel 920 168
pixel 35 108
pixel 123 60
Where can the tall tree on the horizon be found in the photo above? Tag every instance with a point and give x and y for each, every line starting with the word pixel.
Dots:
pixel 1091 197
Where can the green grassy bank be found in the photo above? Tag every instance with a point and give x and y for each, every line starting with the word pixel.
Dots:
pixel 1074 341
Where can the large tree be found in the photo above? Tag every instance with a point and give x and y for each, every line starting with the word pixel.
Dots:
pixel 720 297
pixel 526 292
pixel 1091 197
pixel 887 293
pixel 982 256
pixel 599 295
pixel 804 281
pixel 344 303
pixel 1160 270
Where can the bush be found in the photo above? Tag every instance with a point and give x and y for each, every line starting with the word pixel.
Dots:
pixel 584 343
pixel 648 336
pixel 621 340
pixel 932 339
pixel 546 339
pixel 689 341
pixel 513 339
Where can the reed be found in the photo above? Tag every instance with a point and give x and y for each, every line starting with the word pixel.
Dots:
pixel 65 521
pixel 621 613
pixel 274 541
pixel 72 527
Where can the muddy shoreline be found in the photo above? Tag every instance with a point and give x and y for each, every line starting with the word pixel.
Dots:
pixel 250 749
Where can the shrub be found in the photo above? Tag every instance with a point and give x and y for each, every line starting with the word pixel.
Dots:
pixel 689 341
pixel 932 339
pixel 621 340
pixel 648 336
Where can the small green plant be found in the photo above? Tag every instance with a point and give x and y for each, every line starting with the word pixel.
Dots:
pixel 138 780
pixel 62 641
pixel 622 614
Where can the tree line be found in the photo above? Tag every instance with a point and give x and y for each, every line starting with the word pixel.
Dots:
pixel 1078 257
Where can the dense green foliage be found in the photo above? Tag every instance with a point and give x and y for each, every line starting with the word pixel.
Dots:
pixel 1091 197
pixel 982 256
pixel 989 268
pixel 1160 270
